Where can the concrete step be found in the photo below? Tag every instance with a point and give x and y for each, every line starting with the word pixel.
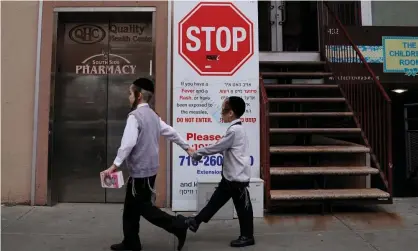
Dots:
pixel 323 170
pixel 300 86
pixel 312 100
pixel 296 74
pixel 335 194
pixel 318 149
pixel 315 130
pixel 310 114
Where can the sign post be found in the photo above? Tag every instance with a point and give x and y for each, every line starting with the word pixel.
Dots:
pixel 215 55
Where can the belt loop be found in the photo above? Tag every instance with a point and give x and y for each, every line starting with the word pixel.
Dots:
pixel 153 192
pixel 151 188
pixel 133 187
pixel 246 195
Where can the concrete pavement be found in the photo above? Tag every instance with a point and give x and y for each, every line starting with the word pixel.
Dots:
pixel 94 227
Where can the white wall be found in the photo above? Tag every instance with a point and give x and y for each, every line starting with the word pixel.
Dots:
pixel 18 47
pixel 389 13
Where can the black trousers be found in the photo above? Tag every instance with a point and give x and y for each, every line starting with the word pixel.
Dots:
pixel 240 196
pixel 138 202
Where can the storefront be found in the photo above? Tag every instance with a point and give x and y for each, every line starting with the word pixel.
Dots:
pixel 66 74
pixel 88 54
pixel 99 52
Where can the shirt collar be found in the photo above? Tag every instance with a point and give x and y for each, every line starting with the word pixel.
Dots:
pixel 143 104
pixel 235 121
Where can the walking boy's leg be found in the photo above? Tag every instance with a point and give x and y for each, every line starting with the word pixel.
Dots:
pixel 216 202
pixel 243 205
pixel 157 217
pixel 131 216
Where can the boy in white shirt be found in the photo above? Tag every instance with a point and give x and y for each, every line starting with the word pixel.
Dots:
pixel 236 174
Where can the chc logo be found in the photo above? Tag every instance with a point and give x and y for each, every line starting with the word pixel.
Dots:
pixel 87 34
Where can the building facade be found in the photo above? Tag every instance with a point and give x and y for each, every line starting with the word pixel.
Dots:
pixel 57 138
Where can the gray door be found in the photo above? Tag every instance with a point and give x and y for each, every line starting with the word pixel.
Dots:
pixel 98 57
pixel 137 47
pixel 277 19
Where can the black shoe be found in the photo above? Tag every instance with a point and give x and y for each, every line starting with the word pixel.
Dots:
pixel 243 241
pixel 180 231
pixel 192 224
pixel 123 247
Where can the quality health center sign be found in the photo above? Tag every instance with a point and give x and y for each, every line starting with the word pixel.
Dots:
pixel 215 55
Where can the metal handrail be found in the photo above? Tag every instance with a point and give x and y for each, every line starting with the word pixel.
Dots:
pixel 360 55
pixel 265 143
pixel 368 100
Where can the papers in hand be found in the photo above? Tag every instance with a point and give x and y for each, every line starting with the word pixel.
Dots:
pixel 114 180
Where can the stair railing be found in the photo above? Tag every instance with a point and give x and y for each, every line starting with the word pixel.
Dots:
pixel 264 141
pixel 365 96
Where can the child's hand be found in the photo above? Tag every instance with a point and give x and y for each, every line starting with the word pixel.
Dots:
pixel 110 170
pixel 196 157
pixel 191 151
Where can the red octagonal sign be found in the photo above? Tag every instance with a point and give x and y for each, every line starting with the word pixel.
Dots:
pixel 216 39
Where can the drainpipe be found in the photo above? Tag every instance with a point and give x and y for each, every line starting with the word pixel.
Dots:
pixel 36 104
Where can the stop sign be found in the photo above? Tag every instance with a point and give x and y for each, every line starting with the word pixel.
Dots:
pixel 216 39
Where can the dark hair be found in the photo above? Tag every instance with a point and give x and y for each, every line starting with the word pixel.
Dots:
pixel 136 92
pixel 144 84
pixel 236 104
pixel 146 88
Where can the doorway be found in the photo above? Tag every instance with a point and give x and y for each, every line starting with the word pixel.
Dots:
pixel 411 140
pixel 293 26
pixel 98 56
pixel 405 140
pixel 290 26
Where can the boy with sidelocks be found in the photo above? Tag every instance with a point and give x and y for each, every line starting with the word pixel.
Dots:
pixel 236 174
pixel 140 149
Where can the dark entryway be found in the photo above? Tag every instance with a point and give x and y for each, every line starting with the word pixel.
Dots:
pixel 288 26
pixel 98 55
pixel 405 141
pixel 292 26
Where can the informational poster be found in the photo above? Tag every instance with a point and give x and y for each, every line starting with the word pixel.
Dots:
pixel 215 55
pixel 389 51
pixel 400 54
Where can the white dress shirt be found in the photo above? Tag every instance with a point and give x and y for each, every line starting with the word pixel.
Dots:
pixel 130 136
pixel 234 147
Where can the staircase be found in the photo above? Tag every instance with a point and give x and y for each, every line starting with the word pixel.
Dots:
pixel 317 153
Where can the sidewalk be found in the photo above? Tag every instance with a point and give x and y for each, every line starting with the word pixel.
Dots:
pixel 94 227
